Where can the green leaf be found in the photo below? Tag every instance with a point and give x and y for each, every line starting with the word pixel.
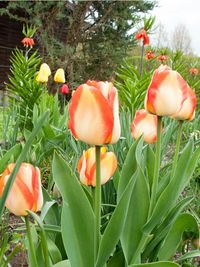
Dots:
pixel 136 217
pixel 117 260
pixel 156 264
pixel 169 196
pixel 12 153
pixel 65 263
pixel 115 226
pixel 185 222
pixel 77 219
pixel 53 251
pixel 130 165
pixel 160 232
pixel 189 255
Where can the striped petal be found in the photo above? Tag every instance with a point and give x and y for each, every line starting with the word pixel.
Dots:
pixel 144 124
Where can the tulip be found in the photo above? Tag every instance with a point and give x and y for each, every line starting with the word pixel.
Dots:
pixel 64 89
pixel 59 76
pixel 142 35
pixel 43 74
pixel 144 124
pixel 93 113
pixel 26 191
pixel 166 93
pixel 187 111
pixel 28 42
pixel 149 54
pixel 87 166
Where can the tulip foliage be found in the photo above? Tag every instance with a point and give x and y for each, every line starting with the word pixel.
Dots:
pixel 148 221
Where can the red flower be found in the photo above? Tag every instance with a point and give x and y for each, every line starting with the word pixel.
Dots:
pixel 142 35
pixel 28 42
pixel 64 89
pixel 162 58
pixel 149 54
pixel 194 71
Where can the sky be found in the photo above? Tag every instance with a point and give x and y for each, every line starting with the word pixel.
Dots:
pixel 173 12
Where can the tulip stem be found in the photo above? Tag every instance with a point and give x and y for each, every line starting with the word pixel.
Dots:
pixel 141 60
pixel 156 167
pixel 31 245
pixel 178 142
pixel 97 206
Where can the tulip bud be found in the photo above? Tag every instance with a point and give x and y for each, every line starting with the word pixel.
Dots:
pixel 93 113
pixel 87 166
pixel 43 74
pixel 59 76
pixel 26 191
pixel 144 124
pixel 166 93
pixel 64 89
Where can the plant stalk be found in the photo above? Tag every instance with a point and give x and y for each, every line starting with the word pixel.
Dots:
pixel 97 204
pixel 156 167
pixel 141 60
pixel 31 245
pixel 178 142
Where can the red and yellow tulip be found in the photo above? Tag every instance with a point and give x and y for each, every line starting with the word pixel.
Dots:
pixel 87 166
pixel 94 113
pixel 26 192
pixel 166 93
pixel 144 124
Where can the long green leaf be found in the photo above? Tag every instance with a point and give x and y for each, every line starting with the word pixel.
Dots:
pixel 115 226
pixel 77 220
pixel 189 255
pixel 129 166
pixel 185 222
pixel 161 231
pixel 168 198
pixel 136 217
pixel 156 264
pixel 12 153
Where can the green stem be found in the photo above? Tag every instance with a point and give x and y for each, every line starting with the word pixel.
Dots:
pixel 178 142
pixel 45 248
pixel 141 60
pixel 156 168
pixel 97 204
pixel 31 245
